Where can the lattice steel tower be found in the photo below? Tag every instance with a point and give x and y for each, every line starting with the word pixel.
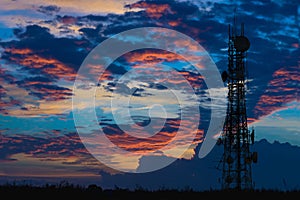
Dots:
pixel 236 138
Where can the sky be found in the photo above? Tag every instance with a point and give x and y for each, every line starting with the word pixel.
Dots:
pixel 57 92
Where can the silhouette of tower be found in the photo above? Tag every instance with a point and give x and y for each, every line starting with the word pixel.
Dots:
pixel 236 138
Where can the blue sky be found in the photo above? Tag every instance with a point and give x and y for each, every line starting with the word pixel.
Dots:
pixel 44 43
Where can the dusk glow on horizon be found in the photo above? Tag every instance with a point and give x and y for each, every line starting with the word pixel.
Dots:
pixel 154 103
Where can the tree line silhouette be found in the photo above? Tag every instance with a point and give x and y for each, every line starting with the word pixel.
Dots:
pixel 93 190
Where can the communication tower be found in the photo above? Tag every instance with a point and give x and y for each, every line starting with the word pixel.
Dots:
pixel 236 138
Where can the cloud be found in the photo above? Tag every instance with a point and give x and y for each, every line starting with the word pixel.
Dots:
pixel 282 89
pixel 151 56
pixel 49 10
pixel 43 54
pixel 39 42
pixel 159 140
pixel 153 10
pixel 38 69
pixel 65 151
pixel 78 7
pixel 206 30
pixel 204 174
pixel 36 65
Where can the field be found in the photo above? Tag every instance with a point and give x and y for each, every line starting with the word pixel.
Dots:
pixel 139 193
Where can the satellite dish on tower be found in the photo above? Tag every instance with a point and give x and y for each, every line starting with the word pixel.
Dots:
pixel 224 76
pixel 241 43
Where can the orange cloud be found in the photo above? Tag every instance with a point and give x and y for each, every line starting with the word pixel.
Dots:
pixel 19 51
pixel 158 56
pixel 155 142
pixel 153 10
pixel 51 66
pixel 173 23
pixel 295 45
pixel 64 153
pixel 152 56
pixel 281 90
pixel 67 20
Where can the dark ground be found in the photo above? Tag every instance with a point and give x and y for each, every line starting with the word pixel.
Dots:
pixel 93 191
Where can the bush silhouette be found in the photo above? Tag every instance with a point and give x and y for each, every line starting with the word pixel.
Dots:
pixel 65 188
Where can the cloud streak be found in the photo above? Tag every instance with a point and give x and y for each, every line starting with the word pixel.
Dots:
pixel 39 67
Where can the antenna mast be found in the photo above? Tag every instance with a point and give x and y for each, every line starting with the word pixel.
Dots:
pixel 236 138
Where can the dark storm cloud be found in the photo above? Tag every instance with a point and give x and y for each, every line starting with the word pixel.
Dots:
pixel 269 25
pixel 272 31
pixel 53 147
pixel 38 60
pixel 91 32
pixel 96 18
pixel 45 45
pixel 50 92
pixel 157 86
pixel 166 13
pixel 43 88
pixel 117 69
pixel 37 79
pixel 2 91
pixel 49 10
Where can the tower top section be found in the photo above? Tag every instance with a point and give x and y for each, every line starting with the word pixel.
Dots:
pixel 240 41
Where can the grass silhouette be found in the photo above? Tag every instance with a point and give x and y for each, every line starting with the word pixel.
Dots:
pixel 93 190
